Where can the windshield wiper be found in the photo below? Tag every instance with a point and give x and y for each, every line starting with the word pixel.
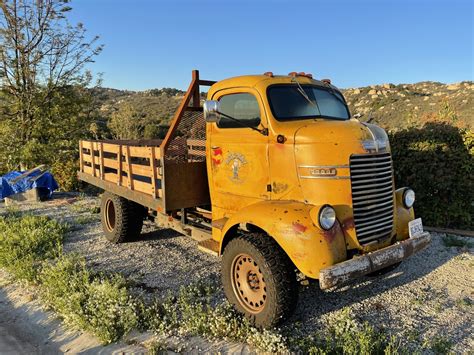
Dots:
pixel 303 93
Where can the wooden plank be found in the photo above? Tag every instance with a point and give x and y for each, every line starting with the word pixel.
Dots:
pixel 111 163
pixel 112 177
pixel 142 187
pixel 101 159
pixel 196 95
pixel 140 152
pixel 138 197
pixel 86 158
pixel 81 154
pixel 207 82
pixel 111 148
pixel 88 169
pixel 154 174
pixel 129 167
pixel 157 152
pixel 120 167
pixel 143 170
pixel 93 158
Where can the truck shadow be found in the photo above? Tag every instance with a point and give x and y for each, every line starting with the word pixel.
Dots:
pixel 407 287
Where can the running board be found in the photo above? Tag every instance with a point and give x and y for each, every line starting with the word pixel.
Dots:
pixel 209 246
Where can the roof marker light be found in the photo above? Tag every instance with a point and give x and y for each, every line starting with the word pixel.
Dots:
pixel 326 81
pixel 268 73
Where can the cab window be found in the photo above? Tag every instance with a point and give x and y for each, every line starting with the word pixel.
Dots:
pixel 243 107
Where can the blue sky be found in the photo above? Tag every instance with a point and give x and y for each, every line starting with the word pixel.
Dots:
pixel 154 43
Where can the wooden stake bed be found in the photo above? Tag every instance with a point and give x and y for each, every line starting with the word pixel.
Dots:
pixel 166 175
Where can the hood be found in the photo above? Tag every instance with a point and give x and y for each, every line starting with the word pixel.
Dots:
pixel 332 131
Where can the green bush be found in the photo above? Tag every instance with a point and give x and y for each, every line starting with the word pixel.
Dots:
pixel 26 241
pixel 437 161
pixel 99 304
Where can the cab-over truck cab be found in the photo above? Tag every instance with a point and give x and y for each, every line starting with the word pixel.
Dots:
pixel 274 175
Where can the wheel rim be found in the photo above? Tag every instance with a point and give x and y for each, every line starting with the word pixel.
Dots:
pixel 109 214
pixel 248 283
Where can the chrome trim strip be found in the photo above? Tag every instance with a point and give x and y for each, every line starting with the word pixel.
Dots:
pixel 325 166
pixel 324 177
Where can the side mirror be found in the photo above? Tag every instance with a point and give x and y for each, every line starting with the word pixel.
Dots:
pixel 211 111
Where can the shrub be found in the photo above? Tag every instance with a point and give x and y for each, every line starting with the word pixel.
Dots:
pixel 437 161
pixel 65 173
pixel 99 304
pixel 26 241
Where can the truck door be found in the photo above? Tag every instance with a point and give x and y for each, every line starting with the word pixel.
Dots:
pixel 238 154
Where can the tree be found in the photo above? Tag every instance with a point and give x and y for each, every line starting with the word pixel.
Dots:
pixel 126 123
pixel 42 78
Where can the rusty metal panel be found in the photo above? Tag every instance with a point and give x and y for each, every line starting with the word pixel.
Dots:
pixel 186 185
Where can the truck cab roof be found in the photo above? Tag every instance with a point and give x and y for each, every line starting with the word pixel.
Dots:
pixel 262 81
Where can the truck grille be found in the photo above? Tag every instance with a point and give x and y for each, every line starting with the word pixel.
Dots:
pixel 372 196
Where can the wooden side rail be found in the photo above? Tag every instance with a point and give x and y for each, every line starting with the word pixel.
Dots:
pixel 135 167
pixel 196 149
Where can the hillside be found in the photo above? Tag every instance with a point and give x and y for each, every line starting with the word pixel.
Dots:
pixel 400 106
pixel 391 106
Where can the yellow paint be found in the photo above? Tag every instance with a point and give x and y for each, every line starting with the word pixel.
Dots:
pixel 267 191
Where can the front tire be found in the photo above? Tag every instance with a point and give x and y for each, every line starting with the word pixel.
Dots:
pixel 259 279
pixel 122 220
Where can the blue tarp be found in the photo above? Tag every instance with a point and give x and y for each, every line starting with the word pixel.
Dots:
pixel 45 182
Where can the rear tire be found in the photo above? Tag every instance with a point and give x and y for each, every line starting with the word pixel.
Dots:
pixel 259 279
pixel 122 220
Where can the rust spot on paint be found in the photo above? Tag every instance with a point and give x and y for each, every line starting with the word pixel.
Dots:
pixel 348 223
pixel 285 211
pixel 299 228
pixel 331 234
pixel 278 187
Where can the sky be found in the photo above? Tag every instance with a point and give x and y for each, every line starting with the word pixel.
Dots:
pixel 156 43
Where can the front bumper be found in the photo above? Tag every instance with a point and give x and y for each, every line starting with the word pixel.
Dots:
pixel 374 261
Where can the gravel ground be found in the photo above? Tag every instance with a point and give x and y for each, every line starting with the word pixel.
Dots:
pixel 428 299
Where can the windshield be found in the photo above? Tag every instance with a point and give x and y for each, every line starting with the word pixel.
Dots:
pixel 288 103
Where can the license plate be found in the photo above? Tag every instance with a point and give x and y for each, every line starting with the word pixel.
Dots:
pixel 415 228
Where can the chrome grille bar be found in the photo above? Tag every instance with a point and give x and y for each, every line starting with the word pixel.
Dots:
pixel 372 191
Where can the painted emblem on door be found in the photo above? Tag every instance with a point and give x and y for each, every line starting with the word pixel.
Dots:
pixel 235 162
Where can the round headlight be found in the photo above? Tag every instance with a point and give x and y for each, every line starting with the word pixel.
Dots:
pixel 327 217
pixel 409 198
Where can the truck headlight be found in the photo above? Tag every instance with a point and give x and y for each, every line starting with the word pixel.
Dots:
pixel 327 217
pixel 408 198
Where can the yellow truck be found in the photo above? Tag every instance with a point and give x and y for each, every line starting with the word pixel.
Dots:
pixel 272 174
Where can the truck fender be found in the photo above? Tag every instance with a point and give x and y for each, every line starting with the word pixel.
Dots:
pixel 294 226
pixel 402 215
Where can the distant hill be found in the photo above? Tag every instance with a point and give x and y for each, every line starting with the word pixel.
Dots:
pixel 391 106
pixel 400 106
